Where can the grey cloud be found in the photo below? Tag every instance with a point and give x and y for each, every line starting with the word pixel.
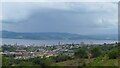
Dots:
pixel 76 20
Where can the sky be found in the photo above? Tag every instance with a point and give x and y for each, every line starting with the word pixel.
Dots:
pixel 71 17
pixel 60 0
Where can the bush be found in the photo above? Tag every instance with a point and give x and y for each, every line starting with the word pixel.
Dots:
pixel 81 53
pixel 60 58
pixel 42 61
pixel 96 52
pixel 113 54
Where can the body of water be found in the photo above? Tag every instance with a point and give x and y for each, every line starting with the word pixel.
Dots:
pixel 52 42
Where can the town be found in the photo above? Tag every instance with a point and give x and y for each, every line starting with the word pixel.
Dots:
pixel 61 54
pixel 25 52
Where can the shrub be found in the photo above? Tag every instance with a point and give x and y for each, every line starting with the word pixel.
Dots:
pixel 113 54
pixel 81 53
pixel 96 52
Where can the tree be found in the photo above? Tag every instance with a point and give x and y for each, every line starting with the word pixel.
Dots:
pixel 96 52
pixel 113 54
pixel 81 53
pixel 62 57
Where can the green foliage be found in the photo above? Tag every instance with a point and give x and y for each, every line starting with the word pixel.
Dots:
pixel 62 57
pixel 104 61
pixel 103 55
pixel 6 61
pixel 41 61
pixel 113 54
pixel 96 52
pixel 0 49
pixel 23 63
pixel 81 53
pixel 8 48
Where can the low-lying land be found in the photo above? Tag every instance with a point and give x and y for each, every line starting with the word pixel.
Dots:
pixel 61 55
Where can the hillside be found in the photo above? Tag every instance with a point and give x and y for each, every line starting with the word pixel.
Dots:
pixel 54 36
pixel 94 62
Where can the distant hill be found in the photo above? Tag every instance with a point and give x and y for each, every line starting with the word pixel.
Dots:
pixel 55 36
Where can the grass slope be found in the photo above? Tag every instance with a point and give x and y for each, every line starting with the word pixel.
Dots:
pixel 100 61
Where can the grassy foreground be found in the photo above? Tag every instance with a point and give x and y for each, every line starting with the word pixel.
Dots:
pixel 100 61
